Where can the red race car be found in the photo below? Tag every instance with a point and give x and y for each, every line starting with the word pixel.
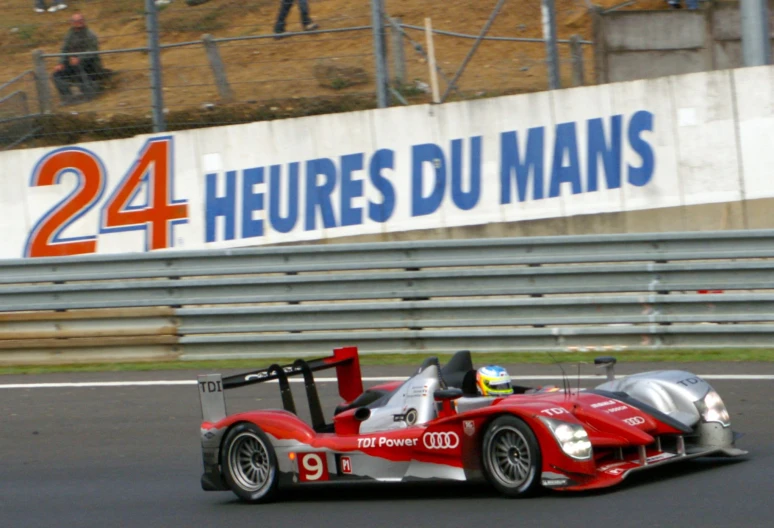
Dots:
pixel 436 426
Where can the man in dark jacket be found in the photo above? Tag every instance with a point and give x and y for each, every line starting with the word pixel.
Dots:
pixel 86 71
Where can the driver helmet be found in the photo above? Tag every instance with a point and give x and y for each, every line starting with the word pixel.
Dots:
pixel 493 380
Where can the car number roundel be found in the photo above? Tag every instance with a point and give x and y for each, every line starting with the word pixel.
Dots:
pixel 312 467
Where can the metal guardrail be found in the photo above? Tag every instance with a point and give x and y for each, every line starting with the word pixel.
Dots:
pixel 518 294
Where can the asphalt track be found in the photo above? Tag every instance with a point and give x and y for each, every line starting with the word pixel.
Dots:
pixel 129 456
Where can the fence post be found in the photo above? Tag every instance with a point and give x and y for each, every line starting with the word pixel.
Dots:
pixel 41 82
pixel 600 46
pixel 398 57
pixel 431 60
pixel 576 48
pixel 473 49
pixel 213 55
pixel 377 24
pixel 549 35
pixel 152 26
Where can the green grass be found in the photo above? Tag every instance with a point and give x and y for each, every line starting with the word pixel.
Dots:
pixel 681 356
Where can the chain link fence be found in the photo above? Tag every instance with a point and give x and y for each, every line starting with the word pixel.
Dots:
pixel 18 110
pixel 222 63
pixel 216 75
pixel 495 51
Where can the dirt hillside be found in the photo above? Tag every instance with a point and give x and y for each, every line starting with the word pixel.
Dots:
pixel 295 67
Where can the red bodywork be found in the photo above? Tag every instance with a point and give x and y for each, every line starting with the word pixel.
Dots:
pixel 616 431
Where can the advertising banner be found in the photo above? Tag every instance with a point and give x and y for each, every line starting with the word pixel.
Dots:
pixel 618 147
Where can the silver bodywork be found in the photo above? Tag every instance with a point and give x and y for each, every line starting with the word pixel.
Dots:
pixel 673 392
pixel 411 404
pixel 676 393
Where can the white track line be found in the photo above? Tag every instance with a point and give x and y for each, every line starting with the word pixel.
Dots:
pixel 169 383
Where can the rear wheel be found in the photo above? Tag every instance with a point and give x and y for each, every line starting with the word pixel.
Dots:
pixel 249 463
pixel 511 457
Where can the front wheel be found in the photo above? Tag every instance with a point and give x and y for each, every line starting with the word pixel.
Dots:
pixel 249 463
pixel 511 457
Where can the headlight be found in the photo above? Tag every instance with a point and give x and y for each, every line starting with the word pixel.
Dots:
pixel 712 409
pixel 572 438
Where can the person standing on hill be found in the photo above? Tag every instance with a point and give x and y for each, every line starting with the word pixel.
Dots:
pixel 306 21
pixel 40 6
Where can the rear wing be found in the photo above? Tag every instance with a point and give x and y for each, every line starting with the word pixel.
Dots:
pixel 345 360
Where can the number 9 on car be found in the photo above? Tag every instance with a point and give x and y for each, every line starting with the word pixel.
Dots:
pixel 312 467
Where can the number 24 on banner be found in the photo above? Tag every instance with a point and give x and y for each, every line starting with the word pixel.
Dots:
pixel 152 169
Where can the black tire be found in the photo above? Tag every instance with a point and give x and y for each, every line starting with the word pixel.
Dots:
pixel 250 464
pixel 511 457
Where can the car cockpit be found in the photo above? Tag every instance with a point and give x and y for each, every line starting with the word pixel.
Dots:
pixel 416 401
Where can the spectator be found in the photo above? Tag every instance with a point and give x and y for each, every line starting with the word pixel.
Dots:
pixel 85 71
pixel 306 21
pixel 40 6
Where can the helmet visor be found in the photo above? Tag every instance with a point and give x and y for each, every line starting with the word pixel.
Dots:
pixel 498 386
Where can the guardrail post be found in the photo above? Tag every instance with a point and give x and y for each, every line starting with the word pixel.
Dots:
pixel 576 49
pixel 398 57
pixel 41 82
pixel 409 299
pixel 218 70
pixel 293 302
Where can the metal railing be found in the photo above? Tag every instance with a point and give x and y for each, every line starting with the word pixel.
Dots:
pixel 644 291
pixel 18 113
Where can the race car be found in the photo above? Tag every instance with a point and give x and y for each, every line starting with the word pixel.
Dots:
pixel 436 426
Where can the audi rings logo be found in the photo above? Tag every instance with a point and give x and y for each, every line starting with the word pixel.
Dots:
pixel 448 440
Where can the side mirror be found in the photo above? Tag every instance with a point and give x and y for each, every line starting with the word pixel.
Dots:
pixel 447 394
pixel 444 399
pixel 608 362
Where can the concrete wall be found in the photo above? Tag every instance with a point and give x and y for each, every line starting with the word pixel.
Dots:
pixel 632 45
